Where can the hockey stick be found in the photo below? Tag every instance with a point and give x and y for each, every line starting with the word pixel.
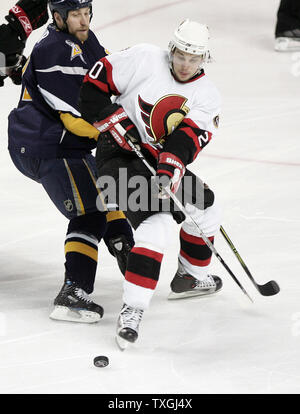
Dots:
pixel 126 135
pixel 268 289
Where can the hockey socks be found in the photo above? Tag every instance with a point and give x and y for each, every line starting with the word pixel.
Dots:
pixel 81 253
pixel 141 276
pixel 194 254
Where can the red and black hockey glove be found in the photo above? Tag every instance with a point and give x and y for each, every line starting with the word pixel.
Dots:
pixel 111 116
pixel 170 170
pixel 28 15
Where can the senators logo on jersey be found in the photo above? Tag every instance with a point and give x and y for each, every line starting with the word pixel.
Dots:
pixel 164 116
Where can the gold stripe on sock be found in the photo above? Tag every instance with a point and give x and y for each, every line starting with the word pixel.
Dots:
pixel 77 247
pixel 115 215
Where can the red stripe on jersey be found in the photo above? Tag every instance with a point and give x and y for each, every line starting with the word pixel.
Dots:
pixel 192 124
pixel 195 262
pixel 193 239
pixel 165 172
pixel 196 77
pixel 191 134
pixel 147 252
pixel 139 280
pixel 109 76
pixel 102 86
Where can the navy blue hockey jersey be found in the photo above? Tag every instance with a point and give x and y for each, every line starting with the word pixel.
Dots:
pixel 47 122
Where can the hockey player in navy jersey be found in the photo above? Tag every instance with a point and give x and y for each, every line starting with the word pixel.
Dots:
pixel 171 110
pixel 50 143
pixel 24 17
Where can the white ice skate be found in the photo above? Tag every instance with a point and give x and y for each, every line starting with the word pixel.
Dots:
pixel 128 326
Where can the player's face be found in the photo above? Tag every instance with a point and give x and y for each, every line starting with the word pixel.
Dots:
pixel 78 22
pixel 185 65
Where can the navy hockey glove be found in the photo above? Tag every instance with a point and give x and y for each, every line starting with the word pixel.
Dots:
pixel 28 15
pixel 170 170
pixel 110 116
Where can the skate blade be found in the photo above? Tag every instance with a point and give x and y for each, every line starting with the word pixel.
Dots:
pixel 122 343
pixel 190 293
pixel 283 44
pixel 63 313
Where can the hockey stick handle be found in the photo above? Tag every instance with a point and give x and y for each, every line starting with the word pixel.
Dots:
pixel 233 248
pixel 123 132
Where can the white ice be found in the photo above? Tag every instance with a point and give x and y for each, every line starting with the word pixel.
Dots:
pixel 222 344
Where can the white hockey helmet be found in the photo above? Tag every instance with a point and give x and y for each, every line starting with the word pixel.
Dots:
pixel 191 37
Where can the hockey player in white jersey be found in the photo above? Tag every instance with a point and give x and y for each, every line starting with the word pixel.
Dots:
pixel 171 110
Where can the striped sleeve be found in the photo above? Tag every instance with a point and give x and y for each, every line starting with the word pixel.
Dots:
pixel 101 76
pixel 195 131
pixel 58 82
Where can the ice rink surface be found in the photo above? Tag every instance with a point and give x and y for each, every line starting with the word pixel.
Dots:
pixel 222 344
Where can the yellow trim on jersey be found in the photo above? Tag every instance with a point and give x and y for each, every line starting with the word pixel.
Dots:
pixel 26 97
pixel 76 194
pixel 77 247
pixel 95 183
pixel 79 126
pixel 25 66
pixel 115 215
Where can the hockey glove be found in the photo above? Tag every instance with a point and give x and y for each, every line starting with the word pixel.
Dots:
pixel 28 15
pixel 110 116
pixel 2 80
pixel 13 69
pixel 15 73
pixel 170 170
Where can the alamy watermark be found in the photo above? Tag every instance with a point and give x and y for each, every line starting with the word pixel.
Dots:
pixel 139 193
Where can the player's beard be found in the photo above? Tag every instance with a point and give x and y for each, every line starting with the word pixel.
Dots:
pixel 82 35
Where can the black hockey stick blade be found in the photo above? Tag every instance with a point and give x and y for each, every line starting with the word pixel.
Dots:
pixel 271 288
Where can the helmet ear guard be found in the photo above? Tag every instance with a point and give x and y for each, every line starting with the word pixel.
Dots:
pixel 191 37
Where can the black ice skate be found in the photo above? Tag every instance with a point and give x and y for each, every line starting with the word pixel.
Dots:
pixel 73 304
pixel 184 285
pixel 288 41
pixel 120 248
pixel 128 326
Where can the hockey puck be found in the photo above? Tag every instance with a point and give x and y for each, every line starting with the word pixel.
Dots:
pixel 101 361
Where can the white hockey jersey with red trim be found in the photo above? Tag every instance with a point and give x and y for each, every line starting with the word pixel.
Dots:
pixel 155 101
